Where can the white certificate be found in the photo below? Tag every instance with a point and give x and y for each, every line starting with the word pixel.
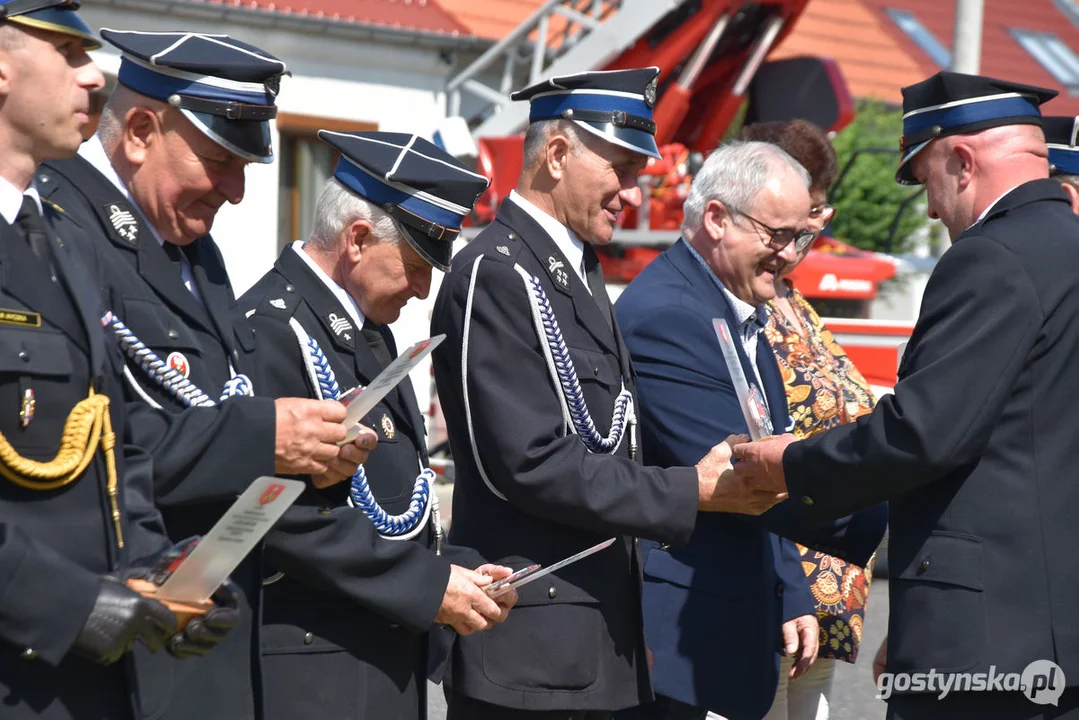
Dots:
pixel 239 530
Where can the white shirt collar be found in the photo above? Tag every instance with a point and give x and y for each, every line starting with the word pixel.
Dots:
pixel 742 310
pixel 568 243
pixel 339 292
pixel 11 200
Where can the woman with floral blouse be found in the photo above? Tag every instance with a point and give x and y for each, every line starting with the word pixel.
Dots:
pixel 824 389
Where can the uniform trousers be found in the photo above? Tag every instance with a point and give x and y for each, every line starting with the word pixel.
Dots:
pixel 460 707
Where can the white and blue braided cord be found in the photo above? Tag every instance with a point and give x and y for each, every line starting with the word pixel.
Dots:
pixel 175 384
pixel 398 527
pixel 571 387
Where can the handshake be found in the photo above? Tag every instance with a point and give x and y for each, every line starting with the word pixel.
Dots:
pixel 752 486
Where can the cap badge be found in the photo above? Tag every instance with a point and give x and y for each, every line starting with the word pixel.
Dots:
pixel 387 427
pixel 650 92
pixel 273 85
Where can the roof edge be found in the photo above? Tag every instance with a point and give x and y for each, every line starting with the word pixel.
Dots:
pixel 263 18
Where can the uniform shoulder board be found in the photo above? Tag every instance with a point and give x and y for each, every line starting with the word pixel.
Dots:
pixel 279 303
pixel 505 248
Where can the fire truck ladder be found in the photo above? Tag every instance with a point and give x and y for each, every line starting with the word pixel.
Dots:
pixel 560 38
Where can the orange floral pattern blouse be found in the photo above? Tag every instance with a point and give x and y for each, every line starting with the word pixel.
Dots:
pixel 824 390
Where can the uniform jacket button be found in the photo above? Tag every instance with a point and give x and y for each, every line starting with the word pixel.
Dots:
pixel 808 501
pixel 24 356
pixel 289 288
pixel 923 566
pixel 173 334
pixel 552 592
pixel 29 654
pixel 308 638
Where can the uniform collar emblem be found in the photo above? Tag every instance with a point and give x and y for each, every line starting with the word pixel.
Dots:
pixel 387 427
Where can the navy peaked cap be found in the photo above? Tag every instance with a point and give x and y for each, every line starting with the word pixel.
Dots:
pixel 60 16
pixel 951 103
pixel 421 186
pixel 1060 136
pixel 226 87
pixel 615 105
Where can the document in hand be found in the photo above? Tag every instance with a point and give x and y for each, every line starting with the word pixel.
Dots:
pixel 749 397
pixel 534 572
pixel 221 550
pixel 360 401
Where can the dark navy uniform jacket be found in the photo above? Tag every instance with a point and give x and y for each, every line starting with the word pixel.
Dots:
pixel 574 640
pixel 56 544
pixel 200 464
pixel 714 608
pixel 976 451
pixel 345 629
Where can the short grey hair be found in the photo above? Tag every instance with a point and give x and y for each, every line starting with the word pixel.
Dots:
pixel 110 128
pixel 734 174
pixel 338 207
pixel 538 133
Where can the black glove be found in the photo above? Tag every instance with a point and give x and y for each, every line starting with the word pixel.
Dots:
pixel 203 634
pixel 120 617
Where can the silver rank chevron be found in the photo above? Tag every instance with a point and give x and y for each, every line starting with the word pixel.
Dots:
pixel 340 326
pixel 125 223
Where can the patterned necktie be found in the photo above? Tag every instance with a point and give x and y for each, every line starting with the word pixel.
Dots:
pixel 32 226
pixel 593 273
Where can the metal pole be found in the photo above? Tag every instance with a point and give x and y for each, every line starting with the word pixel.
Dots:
pixel 967 39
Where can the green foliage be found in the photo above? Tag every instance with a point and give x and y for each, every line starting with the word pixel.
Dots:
pixel 868 198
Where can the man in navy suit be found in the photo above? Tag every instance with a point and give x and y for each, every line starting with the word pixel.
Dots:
pixel 717 610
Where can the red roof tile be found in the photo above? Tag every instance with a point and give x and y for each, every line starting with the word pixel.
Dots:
pixel 419 15
pixel 1002 56
pixel 872 62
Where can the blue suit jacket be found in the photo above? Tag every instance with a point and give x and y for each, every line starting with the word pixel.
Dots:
pixel 713 609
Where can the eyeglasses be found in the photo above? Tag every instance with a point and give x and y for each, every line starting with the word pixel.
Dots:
pixel 779 238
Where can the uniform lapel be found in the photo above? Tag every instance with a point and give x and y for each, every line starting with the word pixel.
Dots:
pixel 564 278
pixel 82 289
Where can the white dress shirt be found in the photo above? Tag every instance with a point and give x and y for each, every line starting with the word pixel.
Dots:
pixel 339 292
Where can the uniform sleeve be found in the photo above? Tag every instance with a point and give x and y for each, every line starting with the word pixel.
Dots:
pixel 337 550
pixel 979 321
pixel 518 423
pixel 44 598
pixel 205 454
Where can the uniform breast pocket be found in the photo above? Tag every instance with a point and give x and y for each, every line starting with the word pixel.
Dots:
pixel 34 352
pixel 157 328
pixel 595 367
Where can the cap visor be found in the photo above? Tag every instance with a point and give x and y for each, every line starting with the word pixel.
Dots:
pixel 61 20
pixel 903 174
pixel 437 252
pixel 248 139
pixel 636 140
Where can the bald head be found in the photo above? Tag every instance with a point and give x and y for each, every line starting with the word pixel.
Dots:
pixel 964 174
